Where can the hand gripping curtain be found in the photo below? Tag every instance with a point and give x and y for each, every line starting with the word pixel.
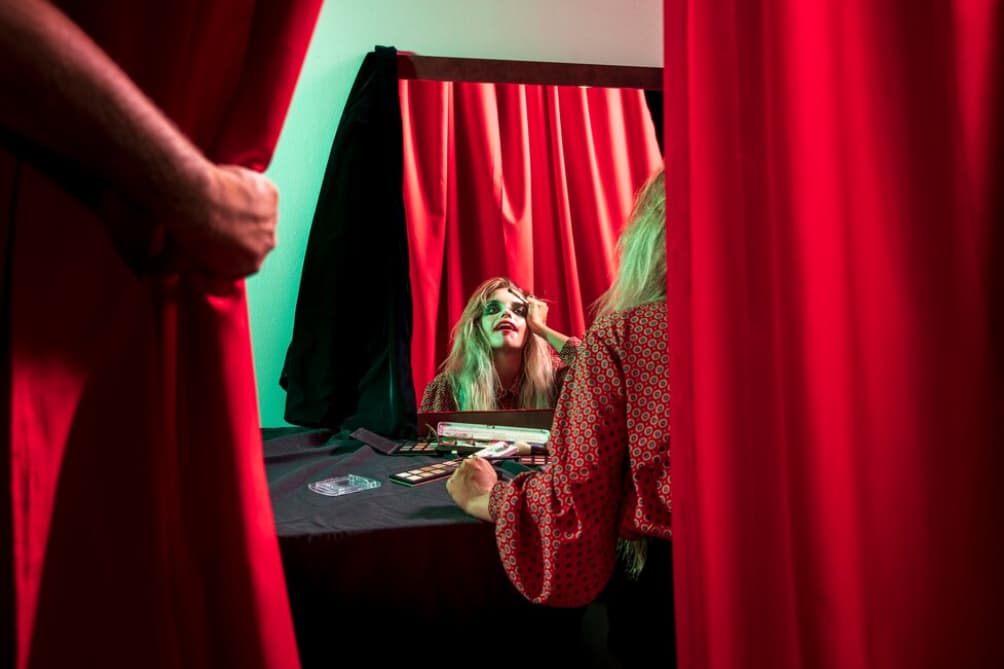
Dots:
pixel 140 527
pixel 836 270
pixel 526 181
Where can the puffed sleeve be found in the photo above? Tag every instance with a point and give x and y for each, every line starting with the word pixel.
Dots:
pixel 556 528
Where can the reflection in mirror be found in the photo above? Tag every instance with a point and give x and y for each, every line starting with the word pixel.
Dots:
pixel 428 422
pixel 526 181
pixel 503 355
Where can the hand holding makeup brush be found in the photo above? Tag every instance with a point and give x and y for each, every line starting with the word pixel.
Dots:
pixel 536 314
pixel 471 484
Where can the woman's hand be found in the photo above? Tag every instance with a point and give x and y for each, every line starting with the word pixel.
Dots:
pixel 228 226
pixel 536 316
pixel 536 322
pixel 224 228
pixel 471 484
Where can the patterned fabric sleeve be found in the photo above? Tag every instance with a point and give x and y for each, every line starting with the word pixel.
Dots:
pixel 438 396
pixel 569 351
pixel 563 362
pixel 556 528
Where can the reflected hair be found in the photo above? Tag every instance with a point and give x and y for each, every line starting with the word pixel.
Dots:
pixel 471 371
pixel 641 252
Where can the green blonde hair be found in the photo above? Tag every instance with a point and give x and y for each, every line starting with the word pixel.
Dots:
pixel 469 366
pixel 641 252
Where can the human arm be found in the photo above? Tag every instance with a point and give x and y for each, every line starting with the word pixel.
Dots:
pixel 77 104
pixel 536 321
pixel 563 361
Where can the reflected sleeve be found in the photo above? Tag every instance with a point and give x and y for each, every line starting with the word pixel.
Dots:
pixel 563 362
pixel 569 351
pixel 438 396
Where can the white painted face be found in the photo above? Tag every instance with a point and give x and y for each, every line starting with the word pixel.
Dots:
pixel 504 320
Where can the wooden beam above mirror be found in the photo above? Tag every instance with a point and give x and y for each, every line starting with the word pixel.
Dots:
pixel 437 68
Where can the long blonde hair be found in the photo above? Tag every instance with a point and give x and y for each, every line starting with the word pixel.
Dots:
pixel 641 252
pixel 469 367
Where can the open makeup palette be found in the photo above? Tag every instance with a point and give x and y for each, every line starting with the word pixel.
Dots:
pixel 469 438
pixel 465 439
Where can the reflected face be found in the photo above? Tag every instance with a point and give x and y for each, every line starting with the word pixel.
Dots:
pixel 503 320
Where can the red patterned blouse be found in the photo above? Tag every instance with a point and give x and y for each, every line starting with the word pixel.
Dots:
pixel 438 394
pixel 608 477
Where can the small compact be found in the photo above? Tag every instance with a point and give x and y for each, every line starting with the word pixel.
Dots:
pixel 534 459
pixel 343 485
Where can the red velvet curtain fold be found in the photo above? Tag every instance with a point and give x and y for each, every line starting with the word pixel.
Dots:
pixel 834 176
pixel 527 181
pixel 141 524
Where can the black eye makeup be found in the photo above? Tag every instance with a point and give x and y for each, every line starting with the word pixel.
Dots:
pixel 494 307
pixel 522 307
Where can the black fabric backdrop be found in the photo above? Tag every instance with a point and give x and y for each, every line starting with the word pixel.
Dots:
pixel 348 364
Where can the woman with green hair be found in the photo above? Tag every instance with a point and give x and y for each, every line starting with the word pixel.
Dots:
pixel 504 355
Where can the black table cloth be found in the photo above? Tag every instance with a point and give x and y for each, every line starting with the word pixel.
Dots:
pixel 388 574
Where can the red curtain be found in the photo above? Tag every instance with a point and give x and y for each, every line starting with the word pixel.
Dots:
pixel 526 181
pixel 141 525
pixel 836 273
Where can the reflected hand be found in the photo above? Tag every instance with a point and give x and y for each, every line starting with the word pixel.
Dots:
pixel 536 315
pixel 470 485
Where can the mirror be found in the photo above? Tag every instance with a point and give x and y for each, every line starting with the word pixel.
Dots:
pixel 379 293
pixel 518 169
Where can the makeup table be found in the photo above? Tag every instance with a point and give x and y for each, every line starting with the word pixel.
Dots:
pixel 402 564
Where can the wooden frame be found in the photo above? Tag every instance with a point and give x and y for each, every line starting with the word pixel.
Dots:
pixel 436 68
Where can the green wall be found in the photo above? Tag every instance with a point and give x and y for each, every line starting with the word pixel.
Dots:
pixel 621 32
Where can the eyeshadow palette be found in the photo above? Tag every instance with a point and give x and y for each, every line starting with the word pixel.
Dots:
pixel 418 448
pixel 440 470
pixel 394 447
pixel 427 473
pixel 533 460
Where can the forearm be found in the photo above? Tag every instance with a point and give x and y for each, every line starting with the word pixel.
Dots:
pixel 478 507
pixel 554 338
pixel 74 101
